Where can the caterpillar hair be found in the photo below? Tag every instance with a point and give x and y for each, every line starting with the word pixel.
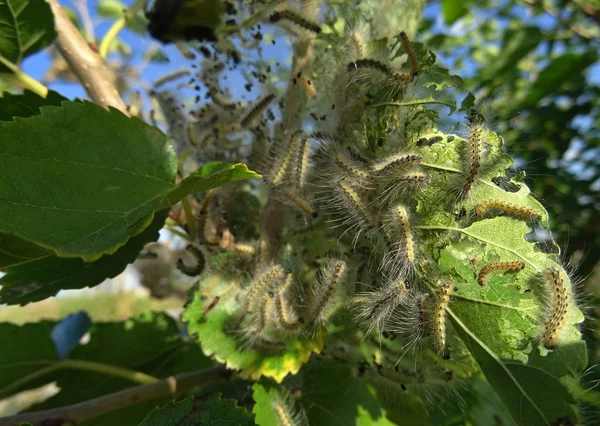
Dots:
pixel 281 165
pixel 287 315
pixel 506 207
pixel 287 412
pixel 414 63
pixel 295 18
pixel 561 302
pixel 301 203
pixel 395 162
pixel 498 266
pixel 170 77
pixel 257 110
pixel 327 288
pixel 444 290
pixel 399 231
pixel 350 169
pixel 398 77
pixel 196 269
pixel 402 184
pixel 411 319
pixel 376 307
pixel 303 162
pixel 474 158
pixel 352 207
pixel 263 281
pixel 359 45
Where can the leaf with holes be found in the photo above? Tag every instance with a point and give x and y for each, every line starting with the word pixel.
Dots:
pixel 208 409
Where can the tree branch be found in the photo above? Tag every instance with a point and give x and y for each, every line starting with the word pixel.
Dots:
pixel 87 65
pixel 93 408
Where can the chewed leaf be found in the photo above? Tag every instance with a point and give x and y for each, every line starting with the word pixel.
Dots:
pixel 532 395
pixel 207 409
pixel 210 316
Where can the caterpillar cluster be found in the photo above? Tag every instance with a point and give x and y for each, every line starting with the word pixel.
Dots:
pixel 361 196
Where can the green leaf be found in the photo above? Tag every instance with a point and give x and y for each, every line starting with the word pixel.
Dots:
pixel 209 316
pixel 26 104
pixel 531 395
pixel 112 9
pixel 334 395
pixel 27 27
pixel 517 44
pixel 43 277
pixel 208 176
pixel 453 10
pixel 564 69
pixel 149 343
pixel 81 180
pixel 208 409
pixel 15 250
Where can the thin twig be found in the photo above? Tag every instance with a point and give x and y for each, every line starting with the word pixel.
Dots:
pixel 86 20
pixel 23 79
pixel 78 413
pixel 116 28
pixel 76 364
pixel 87 65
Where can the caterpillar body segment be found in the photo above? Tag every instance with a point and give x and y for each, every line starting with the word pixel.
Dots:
pixel 283 161
pixel 442 300
pixel 326 290
pixel 412 58
pixel 474 158
pixel 498 266
pixel 401 239
pixel 296 19
pixel 256 110
pixel 380 67
pixel 395 163
pixel 193 270
pixel 506 207
pixel 270 277
pixel 375 308
pixel 561 301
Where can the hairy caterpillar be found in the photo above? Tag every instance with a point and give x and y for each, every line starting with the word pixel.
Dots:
pixel 561 302
pixel 399 77
pixel 506 207
pixel 380 304
pixel 256 110
pixel 414 64
pixel 196 269
pixel 287 413
pixel 400 234
pixel 498 266
pixel 282 165
pixel 264 280
pixel 288 317
pixel 303 162
pixel 352 205
pixel 359 43
pixel 406 182
pixel 474 158
pixel 300 202
pixel 444 290
pixel 334 275
pixel 394 162
pixel 295 18
pixel 170 77
pixel 350 169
